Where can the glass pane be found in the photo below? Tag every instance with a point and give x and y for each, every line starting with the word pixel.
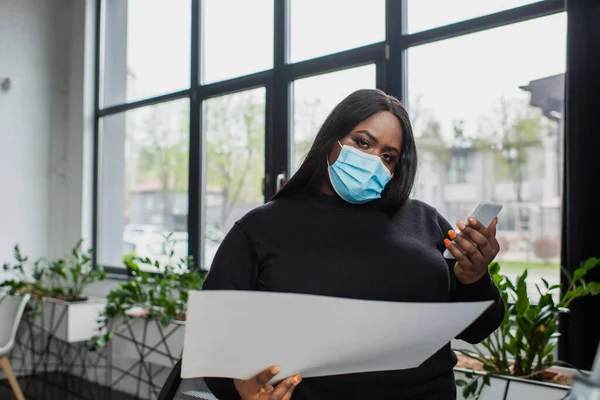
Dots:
pixel 489 127
pixel 144 164
pixel 235 162
pixel 315 97
pixel 322 27
pixel 429 14
pixel 146 49
pixel 238 38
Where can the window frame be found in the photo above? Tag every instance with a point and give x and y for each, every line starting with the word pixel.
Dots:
pixel 389 57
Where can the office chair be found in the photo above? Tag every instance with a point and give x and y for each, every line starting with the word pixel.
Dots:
pixel 176 388
pixel 587 388
pixel 11 311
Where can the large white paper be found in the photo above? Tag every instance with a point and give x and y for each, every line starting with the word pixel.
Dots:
pixel 236 334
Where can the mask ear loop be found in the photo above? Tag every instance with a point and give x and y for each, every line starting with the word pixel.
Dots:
pixel 393 173
pixel 327 157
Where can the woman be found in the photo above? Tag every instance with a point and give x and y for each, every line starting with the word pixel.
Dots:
pixel 344 226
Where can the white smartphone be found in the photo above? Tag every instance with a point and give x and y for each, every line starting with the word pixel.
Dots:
pixel 485 213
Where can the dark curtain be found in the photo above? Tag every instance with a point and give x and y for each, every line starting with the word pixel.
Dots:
pixel 581 198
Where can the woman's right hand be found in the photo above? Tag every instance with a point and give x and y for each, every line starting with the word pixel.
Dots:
pixel 257 388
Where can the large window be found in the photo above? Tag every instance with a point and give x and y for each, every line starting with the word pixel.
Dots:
pixel 238 38
pixel 337 25
pixel 235 153
pixel 146 49
pixel 143 184
pixel 429 14
pixel 205 107
pixel 489 106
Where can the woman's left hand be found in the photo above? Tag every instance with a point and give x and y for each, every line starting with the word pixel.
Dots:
pixel 474 249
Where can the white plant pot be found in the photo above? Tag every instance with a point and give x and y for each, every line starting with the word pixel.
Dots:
pixel 71 322
pixel 510 388
pixel 148 340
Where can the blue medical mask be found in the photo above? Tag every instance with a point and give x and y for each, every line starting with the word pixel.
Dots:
pixel 358 177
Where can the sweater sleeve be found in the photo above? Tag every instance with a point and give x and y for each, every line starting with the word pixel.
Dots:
pixel 482 290
pixel 235 267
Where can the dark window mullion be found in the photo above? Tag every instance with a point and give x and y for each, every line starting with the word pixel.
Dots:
pixel 334 62
pixel 395 26
pixel 489 21
pixel 96 139
pixel 143 103
pixel 235 85
pixel 277 154
pixel 196 173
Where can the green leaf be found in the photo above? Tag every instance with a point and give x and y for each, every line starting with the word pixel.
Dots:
pixel 511 347
pixel 522 303
pixel 486 380
pixel 488 368
pixel 510 285
pixel 578 274
pixel 460 382
pixel 567 274
pixel 166 319
pixel 546 284
pixel 470 389
pixel 549 349
pixel 539 290
pixel 593 287
pixel 567 296
pixel 494 268
pixel 591 263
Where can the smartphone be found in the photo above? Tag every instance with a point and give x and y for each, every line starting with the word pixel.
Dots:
pixel 485 213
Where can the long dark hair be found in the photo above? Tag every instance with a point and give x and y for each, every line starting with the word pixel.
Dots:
pixel 354 109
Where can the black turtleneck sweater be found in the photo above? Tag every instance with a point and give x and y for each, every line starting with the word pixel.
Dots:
pixel 318 244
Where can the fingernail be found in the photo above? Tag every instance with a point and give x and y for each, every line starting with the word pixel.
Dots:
pixel 471 220
pixel 275 370
pixel 461 225
pixel 447 242
pixel 296 380
pixel 452 234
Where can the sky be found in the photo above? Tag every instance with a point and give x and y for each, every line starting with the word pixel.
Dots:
pixel 460 78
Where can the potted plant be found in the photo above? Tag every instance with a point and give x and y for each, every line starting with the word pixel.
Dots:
pixel 519 356
pixel 59 305
pixel 25 280
pixel 145 316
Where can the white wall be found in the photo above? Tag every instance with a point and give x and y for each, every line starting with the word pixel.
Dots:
pixel 46 132
pixel 45 124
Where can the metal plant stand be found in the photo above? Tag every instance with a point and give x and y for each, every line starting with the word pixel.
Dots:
pixel 147 351
pixel 39 353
